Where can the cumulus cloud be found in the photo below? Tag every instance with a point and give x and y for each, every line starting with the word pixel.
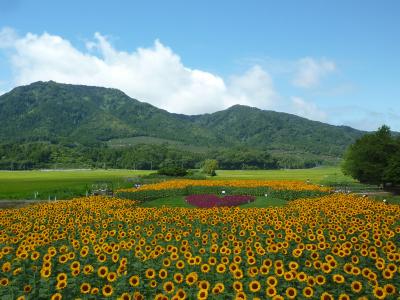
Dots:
pixel 309 71
pixel 307 109
pixel 154 74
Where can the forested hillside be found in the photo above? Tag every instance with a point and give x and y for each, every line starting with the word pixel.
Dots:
pixel 43 123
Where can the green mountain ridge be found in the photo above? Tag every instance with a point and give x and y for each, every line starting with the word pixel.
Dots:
pixel 50 111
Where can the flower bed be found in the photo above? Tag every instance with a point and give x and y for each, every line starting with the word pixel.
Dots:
pixel 287 190
pixel 207 201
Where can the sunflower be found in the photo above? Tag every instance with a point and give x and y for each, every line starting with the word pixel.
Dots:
pixel 45 273
pixel 61 277
pixel 205 268
pixel 221 268
pixel 238 274
pixel 356 286
pixel 356 271
pixel 338 278
pixel 240 296
pixel 160 297
pixel 326 296
pixel 344 296
pixel 191 278
pixel 271 291
pixel 254 286
pixel 178 277
pixel 56 296
pixel 87 269
pixel 308 292
pixel 202 294
pixel 387 274
pixel 272 281
pixel 153 283
pixel 379 292
pixel 320 279
pixel 181 294
pixel 107 290
pixel 203 285
pixel 180 264
pixel 301 276
pixel 27 288
pixel 61 285
pixel 237 286
pixel 291 292
pixel 102 271
pixel 326 268
pixel 75 265
pixel 35 255
pixel 163 273
pixel 216 290
pixel 169 287
pixel 288 276
pixel 85 288
pixel 134 280
pixel 390 289
pixel 62 259
pixel 112 276
pixel 392 267
pixel 125 296
pixel 6 267
pixel 293 265
pixel 150 273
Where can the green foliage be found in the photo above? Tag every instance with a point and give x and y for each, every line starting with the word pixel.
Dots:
pixel 210 166
pixel 373 159
pixel 78 116
pixel 170 168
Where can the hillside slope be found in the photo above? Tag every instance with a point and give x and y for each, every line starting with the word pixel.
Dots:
pixel 50 111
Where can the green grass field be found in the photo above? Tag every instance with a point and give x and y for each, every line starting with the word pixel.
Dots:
pixel 179 201
pixel 67 184
pixel 316 175
pixel 60 184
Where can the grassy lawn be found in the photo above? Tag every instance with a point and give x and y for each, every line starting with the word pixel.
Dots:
pixel 316 175
pixel 390 199
pixel 179 201
pixel 70 183
pixel 60 184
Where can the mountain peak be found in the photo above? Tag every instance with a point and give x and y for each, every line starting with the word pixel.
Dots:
pixel 51 111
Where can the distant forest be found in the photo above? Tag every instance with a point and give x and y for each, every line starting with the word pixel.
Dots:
pixel 38 155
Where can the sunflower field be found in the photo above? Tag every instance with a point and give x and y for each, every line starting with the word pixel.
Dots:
pixel 334 246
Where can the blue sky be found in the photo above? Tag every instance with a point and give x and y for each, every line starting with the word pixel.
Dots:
pixel 337 61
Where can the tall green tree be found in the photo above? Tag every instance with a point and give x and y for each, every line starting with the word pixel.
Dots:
pixel 210 166
pixel 369 158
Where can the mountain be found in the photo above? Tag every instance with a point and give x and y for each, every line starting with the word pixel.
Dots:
pixel 76 113
pixel 50 111
pixel 278 131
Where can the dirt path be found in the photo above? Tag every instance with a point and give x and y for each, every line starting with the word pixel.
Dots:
pixel 18 203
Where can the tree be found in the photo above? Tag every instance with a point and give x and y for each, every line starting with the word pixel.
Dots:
pixel 392 172
pixel 369 157
pixel 171 168
pixel 210 166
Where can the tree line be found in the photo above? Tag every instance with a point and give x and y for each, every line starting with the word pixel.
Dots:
pixel 374 158
pixel 37 155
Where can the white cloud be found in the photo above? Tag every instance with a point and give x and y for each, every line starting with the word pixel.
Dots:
pixel 309 71
pixel 155 74
pixel 307 109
